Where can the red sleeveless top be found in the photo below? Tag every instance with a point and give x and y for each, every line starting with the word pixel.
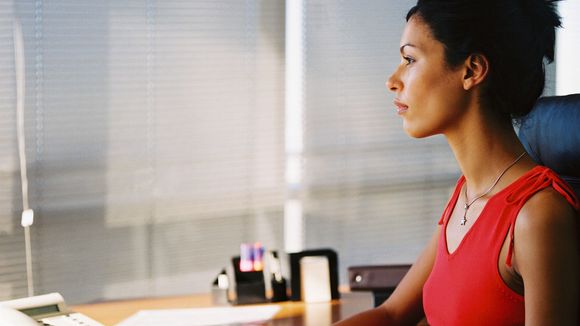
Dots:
pixel 465 287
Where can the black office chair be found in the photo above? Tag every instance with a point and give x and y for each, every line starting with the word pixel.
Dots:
pixel 551 136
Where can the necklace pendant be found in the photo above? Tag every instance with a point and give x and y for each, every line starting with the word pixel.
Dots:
pixel 468 203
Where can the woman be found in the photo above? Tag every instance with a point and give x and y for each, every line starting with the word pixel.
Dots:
pixel 505 251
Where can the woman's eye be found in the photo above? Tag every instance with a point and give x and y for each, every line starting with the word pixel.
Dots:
pixel 409 60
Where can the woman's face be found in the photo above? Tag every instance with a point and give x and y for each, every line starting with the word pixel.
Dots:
pixel 429 95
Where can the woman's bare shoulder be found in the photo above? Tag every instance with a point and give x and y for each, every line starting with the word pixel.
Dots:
pixel 546 256
pixel 544 211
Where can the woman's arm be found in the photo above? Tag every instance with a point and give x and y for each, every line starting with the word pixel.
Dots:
pixel 404 306
pixel 546 256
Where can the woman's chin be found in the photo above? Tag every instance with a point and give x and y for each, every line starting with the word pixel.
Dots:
pixel 415 132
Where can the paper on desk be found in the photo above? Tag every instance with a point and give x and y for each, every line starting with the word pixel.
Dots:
pixel 201 316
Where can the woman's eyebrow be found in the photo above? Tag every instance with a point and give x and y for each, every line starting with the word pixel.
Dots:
pixel 404 45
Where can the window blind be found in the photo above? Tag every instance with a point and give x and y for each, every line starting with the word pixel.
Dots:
pixel 12 263
pixel 155 143
pixel 371 192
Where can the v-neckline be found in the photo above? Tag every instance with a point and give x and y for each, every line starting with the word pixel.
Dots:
pixel 483 210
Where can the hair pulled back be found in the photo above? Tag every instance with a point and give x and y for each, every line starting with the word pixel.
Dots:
pixel 514 35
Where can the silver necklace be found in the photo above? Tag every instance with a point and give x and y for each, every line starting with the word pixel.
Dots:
pixel 468 203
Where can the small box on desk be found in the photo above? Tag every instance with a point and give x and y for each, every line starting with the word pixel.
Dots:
pixel 250 287
pixel 380 279
pixel 298 266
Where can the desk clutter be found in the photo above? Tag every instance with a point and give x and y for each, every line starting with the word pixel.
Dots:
pixel 255 276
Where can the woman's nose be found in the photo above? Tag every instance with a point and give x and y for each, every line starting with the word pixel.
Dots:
pixel 393 84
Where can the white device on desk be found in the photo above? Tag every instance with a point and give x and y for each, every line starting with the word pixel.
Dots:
pixel 47 309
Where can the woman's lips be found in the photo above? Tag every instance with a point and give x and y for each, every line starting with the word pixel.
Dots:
pixel 401 108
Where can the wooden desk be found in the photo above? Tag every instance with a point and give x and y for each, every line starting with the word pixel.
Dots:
pixel 291 313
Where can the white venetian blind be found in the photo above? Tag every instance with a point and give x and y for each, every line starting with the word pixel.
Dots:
pixel 371 191
pixel 12 263
pixel 155 142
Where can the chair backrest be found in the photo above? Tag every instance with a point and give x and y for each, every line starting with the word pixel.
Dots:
pixel 551 136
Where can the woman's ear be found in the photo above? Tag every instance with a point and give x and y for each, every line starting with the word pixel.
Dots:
pixel 476 68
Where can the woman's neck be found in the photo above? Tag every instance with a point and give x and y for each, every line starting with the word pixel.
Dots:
pixel 484 148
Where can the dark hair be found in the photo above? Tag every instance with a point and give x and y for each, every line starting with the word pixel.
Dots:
pixel 514 35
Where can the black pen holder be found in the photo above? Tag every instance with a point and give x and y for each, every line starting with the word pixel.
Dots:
pixel 250 286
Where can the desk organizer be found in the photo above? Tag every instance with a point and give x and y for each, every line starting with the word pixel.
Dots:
pixel 250 287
